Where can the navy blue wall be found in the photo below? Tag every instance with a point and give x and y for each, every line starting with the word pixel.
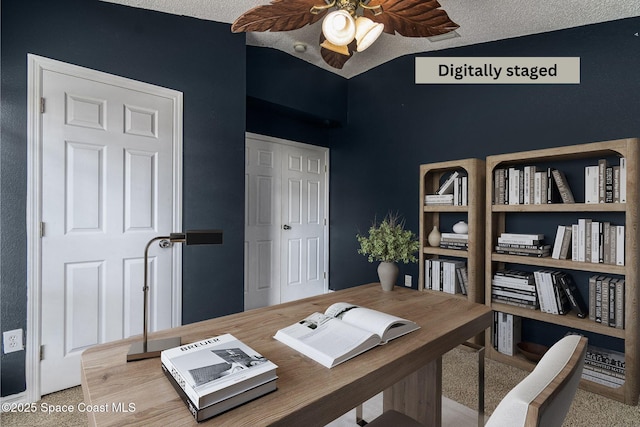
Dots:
pixel 202 59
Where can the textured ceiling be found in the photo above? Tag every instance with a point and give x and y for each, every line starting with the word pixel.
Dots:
pixel 480 21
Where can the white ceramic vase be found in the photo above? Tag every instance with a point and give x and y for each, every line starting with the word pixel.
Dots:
pixel 388 275
pixel 460 227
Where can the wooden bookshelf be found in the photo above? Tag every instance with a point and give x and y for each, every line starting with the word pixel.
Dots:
pixel 431 176
pixel 497 217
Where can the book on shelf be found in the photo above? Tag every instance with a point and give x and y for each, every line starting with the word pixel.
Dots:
pixel 573 294
pixel 544 251
pixel 216 369
pixel 607 300
pixel 201 414
pixel 521 239
pixel 623 180
pixel 343 331
pixel 603 164
pixel 447 185
pixel 591 184
pixel 562 242
pixel 438 199
pixel 563 186
pixel 446 275
pixel 507 332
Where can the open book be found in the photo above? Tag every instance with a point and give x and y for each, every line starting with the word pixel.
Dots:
pixel 343 331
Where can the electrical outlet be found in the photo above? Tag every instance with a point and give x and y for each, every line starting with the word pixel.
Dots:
pixel 407 280
pixel 12 341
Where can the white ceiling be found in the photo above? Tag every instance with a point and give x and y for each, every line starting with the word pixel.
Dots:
pixel 480 21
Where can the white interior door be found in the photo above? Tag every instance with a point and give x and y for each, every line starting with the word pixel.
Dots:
pixel 303 223
pixel 108 159
pixel 286 221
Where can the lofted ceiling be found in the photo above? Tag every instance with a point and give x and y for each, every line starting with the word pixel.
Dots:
pixel 479 20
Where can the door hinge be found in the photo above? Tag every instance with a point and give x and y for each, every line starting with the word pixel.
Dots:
pixel 42 352
pixel 42 105
pixel 325 221
pixel 41 229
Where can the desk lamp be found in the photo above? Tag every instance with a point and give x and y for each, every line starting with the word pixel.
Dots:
pixel 148 349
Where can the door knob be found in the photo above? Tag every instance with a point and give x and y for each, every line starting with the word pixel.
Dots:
pixel 286 227
pixel 165 243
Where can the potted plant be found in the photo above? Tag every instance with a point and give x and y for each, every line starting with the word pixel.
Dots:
pixel 389 243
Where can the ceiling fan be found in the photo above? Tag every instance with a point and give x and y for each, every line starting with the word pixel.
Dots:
pixel 354 24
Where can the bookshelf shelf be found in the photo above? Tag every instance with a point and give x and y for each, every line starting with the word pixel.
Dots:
pixel 431 176
pixel 499 217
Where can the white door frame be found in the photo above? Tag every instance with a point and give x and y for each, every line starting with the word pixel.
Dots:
pixel 36 66
pixel 281 141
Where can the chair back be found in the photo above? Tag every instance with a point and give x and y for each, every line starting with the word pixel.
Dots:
pixel 544 397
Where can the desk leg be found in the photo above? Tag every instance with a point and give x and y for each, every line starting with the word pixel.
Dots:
pixel 419 395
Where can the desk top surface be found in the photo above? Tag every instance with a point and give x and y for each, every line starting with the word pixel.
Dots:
pixel 308 393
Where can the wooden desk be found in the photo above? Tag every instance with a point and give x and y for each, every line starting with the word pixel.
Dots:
pixel 408 369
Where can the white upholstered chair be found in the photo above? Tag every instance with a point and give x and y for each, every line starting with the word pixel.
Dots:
pixel 543 398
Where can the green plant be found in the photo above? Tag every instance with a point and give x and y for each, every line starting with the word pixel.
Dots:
pixel 388 241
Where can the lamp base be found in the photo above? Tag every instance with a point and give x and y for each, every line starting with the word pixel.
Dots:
pixel 154 347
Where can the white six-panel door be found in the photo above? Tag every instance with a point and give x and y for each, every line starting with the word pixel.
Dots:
pixel 107 189
pixel 286 221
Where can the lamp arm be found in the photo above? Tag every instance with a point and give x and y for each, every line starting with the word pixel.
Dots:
pixel 145 290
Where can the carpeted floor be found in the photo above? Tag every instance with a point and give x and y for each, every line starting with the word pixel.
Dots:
pixel 459 384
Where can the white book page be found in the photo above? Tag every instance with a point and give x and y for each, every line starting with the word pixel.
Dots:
pixel 385 326
pixel 326 335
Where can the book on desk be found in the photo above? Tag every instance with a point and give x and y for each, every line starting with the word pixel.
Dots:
pixel 214 375
pixel 343 331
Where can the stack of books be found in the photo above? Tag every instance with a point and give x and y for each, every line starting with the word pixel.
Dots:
pixel 457 241
pixel 523 245
pixel 606 300
pixel 516 288
pixel 604 366
pixel 217 374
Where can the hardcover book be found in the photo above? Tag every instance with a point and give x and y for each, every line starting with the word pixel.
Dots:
pixel 218 368
pixel 201 414
pixel 343 331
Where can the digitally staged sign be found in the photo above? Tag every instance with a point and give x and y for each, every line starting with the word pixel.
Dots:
pixel 498 70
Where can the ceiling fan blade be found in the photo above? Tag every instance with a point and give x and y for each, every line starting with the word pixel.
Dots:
pixel 412 18
pixel 280 15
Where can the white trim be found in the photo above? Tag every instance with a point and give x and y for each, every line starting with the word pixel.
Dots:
pixel 275 140
pixel 36 66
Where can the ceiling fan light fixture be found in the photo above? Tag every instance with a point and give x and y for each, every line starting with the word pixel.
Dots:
pixel 339 27
pixel 367 32
pixel 342 50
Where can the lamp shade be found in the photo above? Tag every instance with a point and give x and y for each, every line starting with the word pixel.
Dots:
pixel 339 27
pixel 367 32
pixel 198 237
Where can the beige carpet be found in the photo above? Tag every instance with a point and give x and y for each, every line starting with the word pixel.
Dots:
pixel 459 383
